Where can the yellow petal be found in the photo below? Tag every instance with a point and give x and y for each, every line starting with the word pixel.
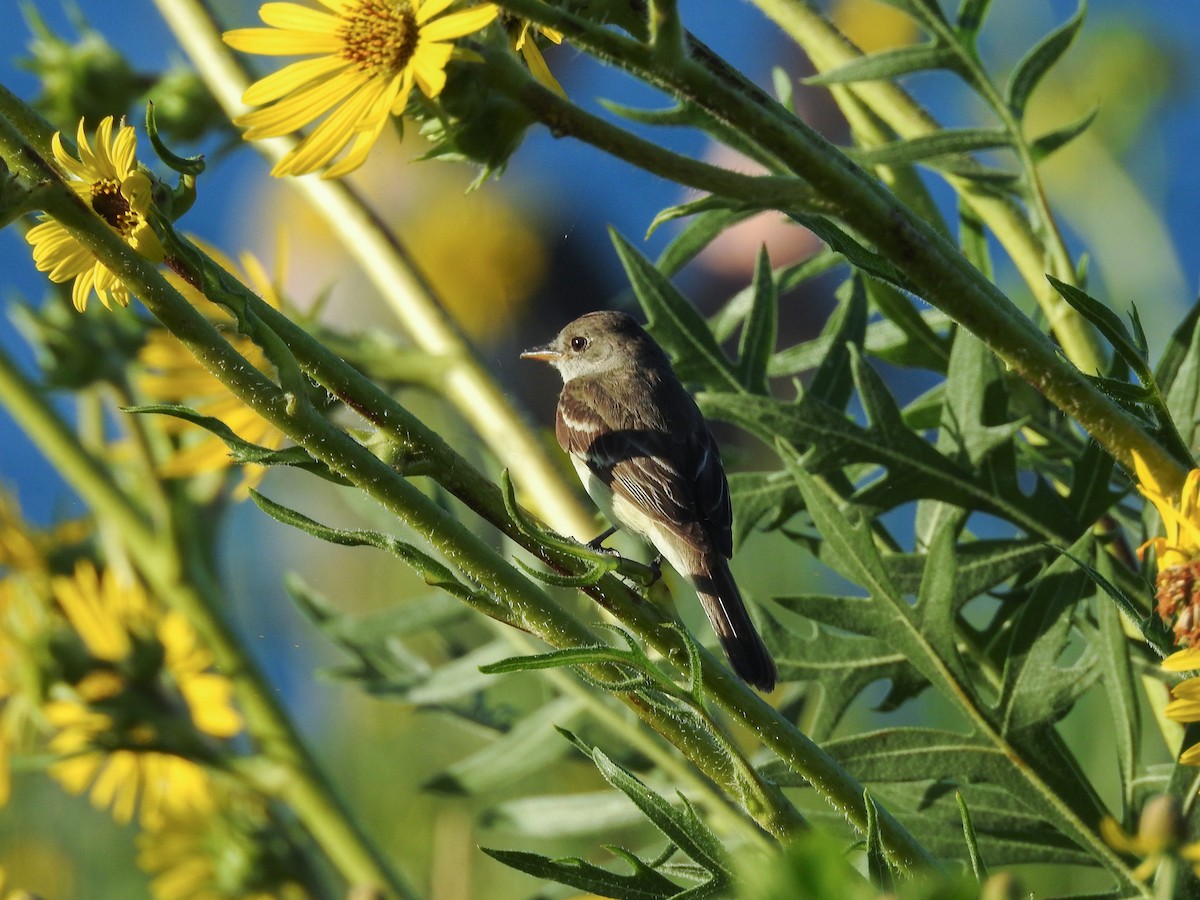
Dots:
pixel 1183 660
pixel 429 67
pixel 328 138
pixel 278 42
pixel 290 78
pixel 459 24
pixel 427 9
pixel 302 107
pixel 298 18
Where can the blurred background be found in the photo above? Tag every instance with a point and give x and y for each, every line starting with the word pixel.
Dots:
pixel 517 259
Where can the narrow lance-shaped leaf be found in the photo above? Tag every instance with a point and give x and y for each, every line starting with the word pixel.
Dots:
pixel 948 142
pixel 758 334
pixel 643 884
pixel 889 64
pixel 1038 61
pixel 1048 143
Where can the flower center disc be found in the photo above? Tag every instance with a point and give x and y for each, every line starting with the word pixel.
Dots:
pixel 110 203
pixel 379 35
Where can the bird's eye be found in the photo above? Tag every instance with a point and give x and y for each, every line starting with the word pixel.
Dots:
pixel 578 343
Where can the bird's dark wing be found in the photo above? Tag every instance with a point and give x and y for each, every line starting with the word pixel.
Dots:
pixel 676 478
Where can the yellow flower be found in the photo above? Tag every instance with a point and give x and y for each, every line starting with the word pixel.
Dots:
pixel 107 178
pixel 209 696
pixel 526 45
pixel 1181 518
pixel 218 857
pixel 104 612
pixel 1185 697
pixel 1177 551
pixel 23 625
pixel 370 53
pixel 150 782
pixel 172 375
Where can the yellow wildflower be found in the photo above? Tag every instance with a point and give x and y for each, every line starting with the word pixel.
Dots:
pixel 209 696
pixel 171 374
pixel 1185 697
pixel 370 53
pixel 526 45
pixel 1160 834
pixel 218 857
pixel 104 612
pixel 1177 551
pixel 148 781
pixel 108 179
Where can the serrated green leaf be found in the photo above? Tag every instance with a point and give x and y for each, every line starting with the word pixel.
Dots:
pixel 922 345
pixel 886 340
pixel 1039 635
pixel 680 826
pixel 1038 61
pixel 643 884
pixel 947 142
pixel 980 566
pixel 565 815
pixel 675 324
pixel 525 749
pixel 916 754
pixel 1109 324
pixel 1048 143
pixel 759 495
pixel 757 343
pixel 889 64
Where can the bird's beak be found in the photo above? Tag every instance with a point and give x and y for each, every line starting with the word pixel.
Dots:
pixel 544 353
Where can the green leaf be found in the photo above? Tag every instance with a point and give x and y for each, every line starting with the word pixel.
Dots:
pixel 832 382
pixel 699 207
pixel 1038 61
pixel 758 334
pixel 787 278
pixel 877 865
pixel 675 323
pixel 977 865
pixel 701 231
pixel 433 572
pixel 1120 685
pixel 1180 371
pixel 971 14
pixel 1042 147
pixel 915 754
pixel 980 566
pixel 1035 689
pixel 889 64
pixel 241 451
pixel 1109 324
pixel 643 884
pixel 947 142
pixel 528 748
pixel 841 242
pixel 561 816
pixel 680 826
pixel 759 495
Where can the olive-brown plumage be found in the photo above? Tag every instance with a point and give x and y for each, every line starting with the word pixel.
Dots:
pixel 643 451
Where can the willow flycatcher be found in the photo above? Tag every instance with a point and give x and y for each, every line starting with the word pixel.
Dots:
pixel 646 457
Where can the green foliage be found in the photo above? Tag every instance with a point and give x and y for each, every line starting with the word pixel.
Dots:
pixel 935 488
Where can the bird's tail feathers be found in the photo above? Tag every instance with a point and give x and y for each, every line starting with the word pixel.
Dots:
pixel 730 619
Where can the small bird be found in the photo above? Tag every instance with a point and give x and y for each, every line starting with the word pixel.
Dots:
pixel 646 457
